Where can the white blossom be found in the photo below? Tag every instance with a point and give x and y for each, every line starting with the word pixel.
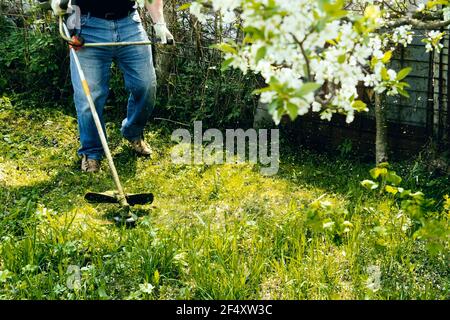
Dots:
pixel 196 10
pixel 297 42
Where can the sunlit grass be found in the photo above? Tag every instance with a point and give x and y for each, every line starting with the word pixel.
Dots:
pixel 213 232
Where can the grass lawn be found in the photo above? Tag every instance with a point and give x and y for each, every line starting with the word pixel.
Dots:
pixel 213 232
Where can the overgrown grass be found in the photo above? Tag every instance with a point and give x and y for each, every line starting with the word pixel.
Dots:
pixel 213 232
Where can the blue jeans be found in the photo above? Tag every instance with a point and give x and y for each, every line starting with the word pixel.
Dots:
pixel 136 64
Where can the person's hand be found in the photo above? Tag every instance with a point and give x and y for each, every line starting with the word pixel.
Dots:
pixel 60 7
pixel 76 43
pixel 162 32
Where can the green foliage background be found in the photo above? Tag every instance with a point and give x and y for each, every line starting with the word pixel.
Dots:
pixel 34 61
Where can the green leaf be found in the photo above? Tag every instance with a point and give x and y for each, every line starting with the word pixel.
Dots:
pixel 334 10
pixel 5 275
pixel 262 90
pixel 274 106
pixel 383 165
pixel 184 6
pixel 403 92
pixel 254 34
pixel 392 190
pixel 226 64
pixel 332 42
pixel 403 85
pixel 403 73
pixel 261 53
pixel 156 276
pixel 359 106
pixel 225 47
pixel 434 3
pixel 372 12
pixel 393 178
pixel 387 57
pixel 342 58
pixel 373 62
pixel 102 293
pixel 369 184
pixel 384 74
pixel 417 196
pixel 404 193
pixel 292 110
pixel 360 28
pixel 376 172
pixel 307 88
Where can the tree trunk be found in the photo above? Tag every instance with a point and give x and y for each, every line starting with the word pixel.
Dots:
pixel 381 144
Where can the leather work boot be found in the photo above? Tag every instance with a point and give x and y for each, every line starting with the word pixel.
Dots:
pixel 89 165
pixel 141 147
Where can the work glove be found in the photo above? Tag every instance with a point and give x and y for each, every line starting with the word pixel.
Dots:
pixel 60 7
pixel 76 43
pixel 163 33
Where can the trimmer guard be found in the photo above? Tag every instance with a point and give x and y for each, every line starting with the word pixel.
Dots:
pixel 112 197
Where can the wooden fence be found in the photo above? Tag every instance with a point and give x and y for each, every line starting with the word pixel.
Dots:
pixel 413 122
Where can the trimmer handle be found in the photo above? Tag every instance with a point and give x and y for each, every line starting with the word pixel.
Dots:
pixel 78 42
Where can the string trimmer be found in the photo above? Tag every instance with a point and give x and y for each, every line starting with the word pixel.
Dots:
pixel 119 196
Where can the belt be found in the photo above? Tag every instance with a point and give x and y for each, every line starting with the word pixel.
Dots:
pixel 111 15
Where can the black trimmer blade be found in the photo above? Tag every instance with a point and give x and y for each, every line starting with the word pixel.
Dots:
pixel 111 197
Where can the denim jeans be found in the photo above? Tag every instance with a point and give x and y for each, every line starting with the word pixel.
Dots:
pixel 136 64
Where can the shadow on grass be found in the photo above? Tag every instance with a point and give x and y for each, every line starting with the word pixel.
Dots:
pixel 62 193
pixel 58 183
pixel 332 174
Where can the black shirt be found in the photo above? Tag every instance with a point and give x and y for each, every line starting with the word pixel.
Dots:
pixel 105 6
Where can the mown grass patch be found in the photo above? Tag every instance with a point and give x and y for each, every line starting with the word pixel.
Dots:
pixel 213 232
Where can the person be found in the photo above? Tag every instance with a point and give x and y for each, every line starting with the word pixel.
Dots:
pixel 115 21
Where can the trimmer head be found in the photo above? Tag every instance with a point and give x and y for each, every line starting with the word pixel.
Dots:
pixel 112 197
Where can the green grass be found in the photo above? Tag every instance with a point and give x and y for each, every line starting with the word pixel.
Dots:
pixel 213 232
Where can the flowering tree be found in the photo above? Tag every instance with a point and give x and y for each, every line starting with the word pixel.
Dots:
pixel 313 54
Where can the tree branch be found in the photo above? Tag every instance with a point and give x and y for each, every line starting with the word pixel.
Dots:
pixel 418 24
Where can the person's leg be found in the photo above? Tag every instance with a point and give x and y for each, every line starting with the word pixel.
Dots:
pixel 136 63
pixel 96 64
